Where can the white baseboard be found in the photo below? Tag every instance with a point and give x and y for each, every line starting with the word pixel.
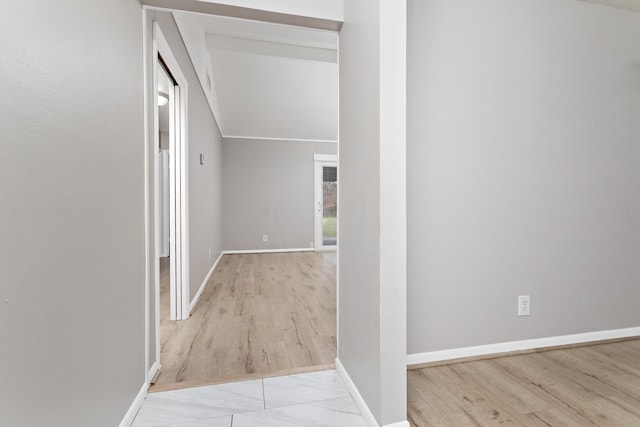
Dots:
pixel 369 419
pixel 195 299
pixel 155 368
pixel 484 350
pixel 135 407
pixel 267 251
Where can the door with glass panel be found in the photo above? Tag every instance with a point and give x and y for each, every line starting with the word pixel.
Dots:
pixel 326 202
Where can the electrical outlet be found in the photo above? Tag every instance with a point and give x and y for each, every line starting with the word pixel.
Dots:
pixel 265 237
pixel 524 305
pixel 310 244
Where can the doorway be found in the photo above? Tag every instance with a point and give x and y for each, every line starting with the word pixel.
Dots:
pixel 170 188
pixel 247 303
pixel 326 201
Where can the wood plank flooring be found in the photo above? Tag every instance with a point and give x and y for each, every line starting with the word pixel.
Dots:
pixel 260 314
pixel 595 385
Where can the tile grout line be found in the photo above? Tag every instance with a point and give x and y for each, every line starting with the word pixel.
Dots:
pixel 313 401
pixel 264 399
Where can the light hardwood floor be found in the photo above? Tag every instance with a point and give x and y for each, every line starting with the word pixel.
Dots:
pixel 259 315
pixel 595 385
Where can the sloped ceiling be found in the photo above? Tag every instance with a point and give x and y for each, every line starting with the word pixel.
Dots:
pixel 269 81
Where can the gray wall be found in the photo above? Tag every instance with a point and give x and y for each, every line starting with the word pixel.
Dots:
pixel 523 177
pixel 268 189
pixel 371 278
pixel 72 213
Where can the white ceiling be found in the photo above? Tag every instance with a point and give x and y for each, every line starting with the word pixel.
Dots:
pixel 164 86
pixel 269 80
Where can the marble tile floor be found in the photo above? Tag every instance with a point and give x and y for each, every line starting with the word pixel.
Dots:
pixel 301 400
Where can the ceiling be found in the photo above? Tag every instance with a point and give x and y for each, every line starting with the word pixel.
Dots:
pixel 164 86
pixel 264 80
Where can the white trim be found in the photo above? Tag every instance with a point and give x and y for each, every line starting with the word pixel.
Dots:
pixel 261 138
pixel 147 209
pixel 330 158
pixel 338 222
pixel 204 283
pixel 333 248
pixel 184 182
pixel 392 207
pixel 489 349
pixel 266 251
pixel 179 156
pixel 135 406
pixel 369 419
pixel 155 368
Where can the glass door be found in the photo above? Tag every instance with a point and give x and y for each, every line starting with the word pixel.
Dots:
pixel 329 205
pixel 326 201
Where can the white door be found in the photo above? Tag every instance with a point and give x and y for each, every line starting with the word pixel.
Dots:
pixel 164 203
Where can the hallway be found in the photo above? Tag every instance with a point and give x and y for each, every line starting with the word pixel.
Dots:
pixel 259 315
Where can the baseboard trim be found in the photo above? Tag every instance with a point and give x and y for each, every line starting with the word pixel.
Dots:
pixel 502 349
pixel 259 138
pixel 135 407
pixel 369 419
pixel 154 372
pixel 196 298
pixel 266 251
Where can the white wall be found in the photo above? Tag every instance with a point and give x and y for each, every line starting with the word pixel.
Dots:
pixel 269 96
pixel 194 40
pixel 268 189
pixel 523 178
pixel 72 213
pixel 371 330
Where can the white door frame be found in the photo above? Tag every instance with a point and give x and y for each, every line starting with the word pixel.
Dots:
pixel 320 161
pixel 179 218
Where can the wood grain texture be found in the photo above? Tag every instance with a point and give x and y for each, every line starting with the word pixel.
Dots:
pixel 259 314
pixel 597 385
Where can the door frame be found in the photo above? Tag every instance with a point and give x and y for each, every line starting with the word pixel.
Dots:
pixel 320 161
pixel 179 176
pixel 179 226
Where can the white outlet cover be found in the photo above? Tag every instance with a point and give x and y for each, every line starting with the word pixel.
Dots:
pixel 524 305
